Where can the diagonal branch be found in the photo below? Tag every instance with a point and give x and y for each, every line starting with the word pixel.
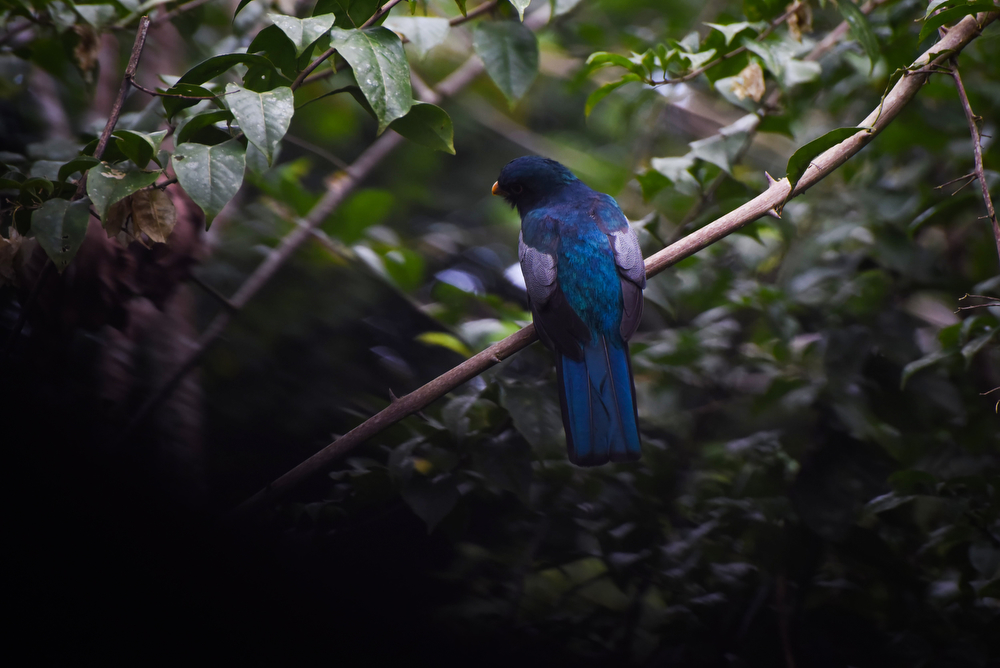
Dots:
pixel 977 150
pixel 904 91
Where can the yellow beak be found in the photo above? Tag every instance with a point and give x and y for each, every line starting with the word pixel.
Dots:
pixel 497 191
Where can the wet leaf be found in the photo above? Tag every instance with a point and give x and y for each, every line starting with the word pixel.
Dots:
pixel 427 125
pixel 211 175
pixel 263 117
pixel 303 32
pixel 380 69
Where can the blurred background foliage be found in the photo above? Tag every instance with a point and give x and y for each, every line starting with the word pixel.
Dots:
pixel 820 481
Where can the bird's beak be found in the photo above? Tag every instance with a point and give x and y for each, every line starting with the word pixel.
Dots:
pixel 497 191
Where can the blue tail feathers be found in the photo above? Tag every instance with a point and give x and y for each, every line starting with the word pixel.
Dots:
pixel 597 396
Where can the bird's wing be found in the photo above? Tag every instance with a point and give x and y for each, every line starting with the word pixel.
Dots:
pixel 628 259
pixel 558 325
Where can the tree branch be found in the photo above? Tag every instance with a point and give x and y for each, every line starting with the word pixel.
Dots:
pixel 778 192
pixel 977 150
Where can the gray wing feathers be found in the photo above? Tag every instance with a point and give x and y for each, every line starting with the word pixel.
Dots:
pixel 632 269
pixel 539 271
pixel 628 256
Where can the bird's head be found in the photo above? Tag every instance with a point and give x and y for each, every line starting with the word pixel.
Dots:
pixel 526 181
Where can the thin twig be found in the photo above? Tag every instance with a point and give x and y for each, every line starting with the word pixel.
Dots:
pixel 970 175
pixel 778 192
pixel 116 110
pixel 212 292
pixel 977 150
pixel 321 152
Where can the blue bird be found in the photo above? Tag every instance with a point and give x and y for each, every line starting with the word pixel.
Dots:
pixel 584 273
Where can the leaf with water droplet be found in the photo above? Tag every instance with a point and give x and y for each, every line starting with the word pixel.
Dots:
pixel 211 175
pixel 263 117
pixel 427 125
pixel 303 32
pixel 380 68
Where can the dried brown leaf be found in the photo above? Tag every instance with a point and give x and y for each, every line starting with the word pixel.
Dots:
pixel 87 48
pixel 800 21
pixel 749 82
pixel 117 215
pixel 154 214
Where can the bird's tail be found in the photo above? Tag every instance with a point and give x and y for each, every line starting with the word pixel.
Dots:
pixel 597 396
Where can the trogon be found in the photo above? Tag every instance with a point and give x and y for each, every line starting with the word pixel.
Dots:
pixel 584 274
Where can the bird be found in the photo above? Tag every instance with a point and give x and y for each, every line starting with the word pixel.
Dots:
pixel 584 275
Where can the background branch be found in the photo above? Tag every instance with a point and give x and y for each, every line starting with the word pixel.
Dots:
pixel 977 150
pixel 778 192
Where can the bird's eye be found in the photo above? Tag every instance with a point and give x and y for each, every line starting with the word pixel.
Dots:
pixel 517 190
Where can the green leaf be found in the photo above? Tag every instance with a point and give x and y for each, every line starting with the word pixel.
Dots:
pixel 107 185
pixel 698 59
pixel 445 340
pixel 677 170
pixel 520 6
pixel 216 65
pixel 600 58
pixel 278 48
pixel 81 164
pixel 723 148
pixel 239 7
pixel 461 7
pixel 921 364
pixel 953 15
pixel 60 227
pixel 201 121
pixel 263 117
pixel 431 499
pixel 137 146
pixel 427 125
pixel 303 32
pixel 731 30
pixel 510 53
pixel 799 162
pixel 606 90
pixel 211 175
pixel 380 68
pixel 424 32
pixel 861 30
pixel 172 105
pixel 970 349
